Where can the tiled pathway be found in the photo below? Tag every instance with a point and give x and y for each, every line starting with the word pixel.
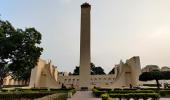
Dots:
pixel 84 95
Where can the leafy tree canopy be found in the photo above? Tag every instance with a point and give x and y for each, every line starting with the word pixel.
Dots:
pixel 19 50
pixel 147 76
pixel 155 75
pixel 112 71
pixel 94 70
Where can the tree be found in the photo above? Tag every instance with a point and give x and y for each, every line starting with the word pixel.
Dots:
pixel 94 70
pixel 153 75
pixel 19 51
pixel 112 71
pixel 76 71
pixel 97 71
pixel 166 75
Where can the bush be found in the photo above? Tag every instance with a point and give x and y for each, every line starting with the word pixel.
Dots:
pixel 19 95
pixel 98 93
pixel 73 91
pixel 117 89
pixel 103 89
pixel 4 90
pixel 144 95
pixel 132 91
pixel 118 95
pixel 127 93
pixel 129 89
pixel 164 92
pixel 18 89
pixel 104 96
pixel 61 97
pixel 135 95
pixel 38 89
pixel 154 89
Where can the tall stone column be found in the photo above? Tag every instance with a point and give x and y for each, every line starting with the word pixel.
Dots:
pixel 84 82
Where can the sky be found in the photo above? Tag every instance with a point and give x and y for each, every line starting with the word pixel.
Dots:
pixel 120 29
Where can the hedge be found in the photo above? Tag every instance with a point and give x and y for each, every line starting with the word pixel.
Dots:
pixel 104 96
pixel 103 89
pixel 127 93
pixel 56 96
pixel 131 95
pixel 61 97
pixel 164 93
pixel 131 91
pixel 48 89
pixel 128 89
pixel 19 95
pixel 36 89
pixel 135 95
pixel 98 93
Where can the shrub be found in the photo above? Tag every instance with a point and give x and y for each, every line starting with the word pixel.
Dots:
pixel 129 89
pixel 61 97
pixel 117 89
pixel 118 95
pixel 19 95
pixel 18 89
pixel 103 89
pixel 144 95
pixel 155 89
pixel 98 93
pixel 135 95
pixel 164 92
pixel 132 91
pixel 39 89
pixel 3 90
pixel 127 93
pixel 73 91
pixel 105 96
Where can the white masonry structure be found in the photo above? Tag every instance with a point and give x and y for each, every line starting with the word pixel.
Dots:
pixel 85 47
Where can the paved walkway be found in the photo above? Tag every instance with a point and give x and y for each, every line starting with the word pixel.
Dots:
pixel 84 95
